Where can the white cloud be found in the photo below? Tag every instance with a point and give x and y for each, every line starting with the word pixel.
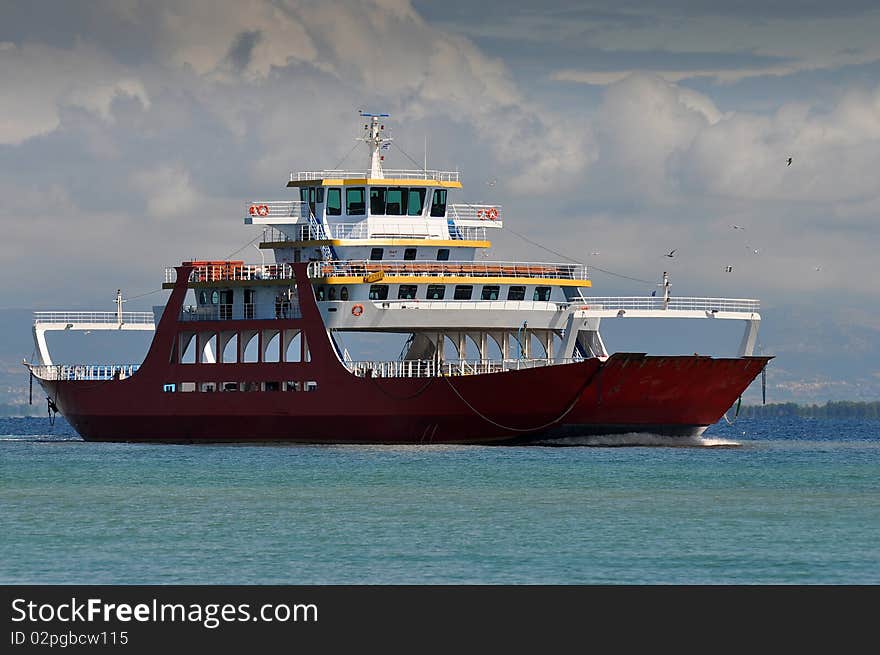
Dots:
pixel 168 191
pixel 40 79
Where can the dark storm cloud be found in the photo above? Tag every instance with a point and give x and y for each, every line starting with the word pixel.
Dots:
pixel 242 49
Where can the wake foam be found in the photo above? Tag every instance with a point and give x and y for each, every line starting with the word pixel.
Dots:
pixel 641 439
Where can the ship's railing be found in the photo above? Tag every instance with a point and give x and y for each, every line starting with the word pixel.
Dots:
pixel 451 268
pixel 93 317
pixel 217 272
pixel 277 209
pixel 475 212
pixel 391 173
pixel 84 371
pixel 247 311
pixel 682 303
pixel 409 230
pixel 426 368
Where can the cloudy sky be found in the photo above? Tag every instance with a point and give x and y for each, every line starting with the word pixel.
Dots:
pixel 133 132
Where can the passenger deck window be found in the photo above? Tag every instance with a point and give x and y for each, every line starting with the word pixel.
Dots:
pixel 542 293
pixel 334 202
pixel 490 292
pixel 409 253
pixel 443 255
pixel 379 292
pixel 516 293
pixel 396 201
pixel 355 204
pixel 377 200
pixel 407 291
pixel 376 254
pixel 436 291
pixel 415 202
pixel 438 205
pixel 463 292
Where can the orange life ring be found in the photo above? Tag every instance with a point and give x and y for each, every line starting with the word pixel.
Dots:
pixel 357 310
pixel 492 213
pixel 479 213
pixel 263 210
pixel 252 210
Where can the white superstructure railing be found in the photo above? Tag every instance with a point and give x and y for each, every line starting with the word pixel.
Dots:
pixel 426 368
pixel 472 212
pixel 415 229
pixel 277 209
pixel 391 173
pixel 682 303
pixel 93 317
pixel 540 270
pixel 84 371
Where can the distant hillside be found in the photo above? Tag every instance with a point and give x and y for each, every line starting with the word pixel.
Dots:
pixel 832 409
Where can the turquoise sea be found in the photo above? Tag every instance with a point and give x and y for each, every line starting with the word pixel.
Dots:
pixel 764 501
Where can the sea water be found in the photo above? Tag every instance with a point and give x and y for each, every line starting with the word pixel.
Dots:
pixel 762 501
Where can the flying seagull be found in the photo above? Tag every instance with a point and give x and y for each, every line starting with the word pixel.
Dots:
pixel 491 182
pixel 737 227
pixel 671 253
pixel 789 161
pixel 728 269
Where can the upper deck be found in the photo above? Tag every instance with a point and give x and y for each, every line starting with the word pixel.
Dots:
pixel 450 179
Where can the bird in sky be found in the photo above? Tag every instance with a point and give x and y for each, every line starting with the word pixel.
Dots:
pixel 756 251
pixel 818 268
pixel 595 253
pixel 671 253
pixel 737 227
pixel 728 269
pixel 491 182
pixel 789 161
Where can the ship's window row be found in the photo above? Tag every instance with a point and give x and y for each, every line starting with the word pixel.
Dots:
pixel 213 387
pixel 409 254
pixel 383 201
pixel 460 292
pixel 244 347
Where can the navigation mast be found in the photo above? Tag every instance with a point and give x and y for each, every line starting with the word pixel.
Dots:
pixel 376 140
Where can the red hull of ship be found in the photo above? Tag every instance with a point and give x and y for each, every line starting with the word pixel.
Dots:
pixel 675 395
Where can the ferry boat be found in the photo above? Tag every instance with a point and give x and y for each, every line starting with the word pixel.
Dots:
pixel 253 353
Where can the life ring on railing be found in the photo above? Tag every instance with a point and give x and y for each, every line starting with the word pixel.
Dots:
pixel 252 210
pixel 263 210
pixel 357 310
pixel 479 213
pixel 492 213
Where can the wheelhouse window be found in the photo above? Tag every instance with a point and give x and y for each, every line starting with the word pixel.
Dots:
pixel 396 201
pixel 436 291
pixel 490 292
pixel 516 293
pixel 409 253
pixel 379 292
pixel 407 291
pixel 376 254
pixel 355 204
pixel 542 293
pixel 463 292
pixel 438 205
pixel 377 200
pixel 443 255
pixel 307 194
pixel 415 202
pixel 334 202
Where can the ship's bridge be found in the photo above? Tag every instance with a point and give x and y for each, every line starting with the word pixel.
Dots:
pixel 361 208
